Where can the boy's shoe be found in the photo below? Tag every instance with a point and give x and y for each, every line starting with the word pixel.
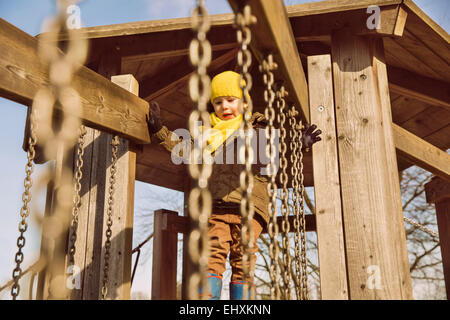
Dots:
pixel 237 291
pixel 215 286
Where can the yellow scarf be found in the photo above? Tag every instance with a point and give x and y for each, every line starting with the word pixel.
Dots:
pixel 221 130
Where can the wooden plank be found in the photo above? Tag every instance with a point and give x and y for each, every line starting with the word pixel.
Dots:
pixel 182 82
pixel 119 286
pixel 164 267
pixel 405 108
pixel 394 214
pixel 272 33
pixel 437 191
pixel 416 47
pixel 443 221
pixel 416 86
pixel 93 217
pixel 105 105
pixel 319 27
pixel 421 153
pixel 330 237
pixel 410 61
pixel 375 270
pixel 427 121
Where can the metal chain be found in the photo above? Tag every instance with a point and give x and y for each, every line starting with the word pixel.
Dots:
pixel 244 58
pixel 295 196
pixel 57 143
pixel 24 210
pixel 200 201
pixel 76 197
pixel 285 226
pixel 422 227
pixel 266 67
pixel 304 278
pixel 115 142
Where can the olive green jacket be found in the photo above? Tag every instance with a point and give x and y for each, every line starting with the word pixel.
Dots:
pixel 224 182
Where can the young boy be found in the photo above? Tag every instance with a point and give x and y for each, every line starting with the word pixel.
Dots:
pixel 225 221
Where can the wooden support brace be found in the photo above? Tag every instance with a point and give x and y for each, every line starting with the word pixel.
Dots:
pixel 438 192
pixel 330 233
pixel 92 213
pixel 164 274
pixel 375 241
pixel 105 105
pixel 272 33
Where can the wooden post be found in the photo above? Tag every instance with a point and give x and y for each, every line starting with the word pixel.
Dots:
pixel 375 242
pixel 330 237
pixel 164 274
pixel 187 265
pixel 93 217
pixel 438 192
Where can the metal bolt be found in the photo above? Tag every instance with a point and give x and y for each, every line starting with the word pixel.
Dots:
pixel 320 108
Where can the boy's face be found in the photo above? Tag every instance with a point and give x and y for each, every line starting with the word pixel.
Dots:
pixel 226 108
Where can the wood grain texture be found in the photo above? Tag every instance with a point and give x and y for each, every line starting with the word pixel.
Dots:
pixel 272 33
pixel 374 269
pixel 105 105
pixel 327 193
pixel 422 153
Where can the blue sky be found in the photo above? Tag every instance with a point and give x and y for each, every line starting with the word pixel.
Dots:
pixel 28 15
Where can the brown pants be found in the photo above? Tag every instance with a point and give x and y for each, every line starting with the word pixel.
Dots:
pixel 225 237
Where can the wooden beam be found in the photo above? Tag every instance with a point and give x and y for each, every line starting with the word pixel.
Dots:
pixel 272 33
pixel 375 246
pixel 415 86
pixel 106 106
pixel 182 81
pixel 164 267
pixel 421 153
pixel 327 191
pixel 392 21
pixel 437 191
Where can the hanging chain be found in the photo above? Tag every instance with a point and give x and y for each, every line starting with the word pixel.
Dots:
pixel 295 197
pixel 285 227
pixel 76 197
pixel 304 278
pixel 266 67
pixel 57 143
pixel 112 181
pixel 242 22
pixel 200 168
pixel 24 210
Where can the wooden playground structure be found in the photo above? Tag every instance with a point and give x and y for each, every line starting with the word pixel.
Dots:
pixel 380 96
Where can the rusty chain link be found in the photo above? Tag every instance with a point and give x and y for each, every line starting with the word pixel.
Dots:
pixel 76 197
pixel 57 140
pixel 243 20
pixel 24 210
pixel 295 196
pixel 285 226
pixel 266 67
pixel 115 142
pixel 303 261
pixel 200 168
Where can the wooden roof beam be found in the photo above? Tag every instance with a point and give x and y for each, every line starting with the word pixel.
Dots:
pixel 105 105
pixel 272 33
pixel 415 86
pixel 392 21
pixel 421 153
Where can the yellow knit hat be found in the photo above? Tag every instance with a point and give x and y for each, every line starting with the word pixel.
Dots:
pixel 226 84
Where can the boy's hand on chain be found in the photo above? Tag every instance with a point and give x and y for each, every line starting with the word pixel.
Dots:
pixel 309 136
pixel 154 122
